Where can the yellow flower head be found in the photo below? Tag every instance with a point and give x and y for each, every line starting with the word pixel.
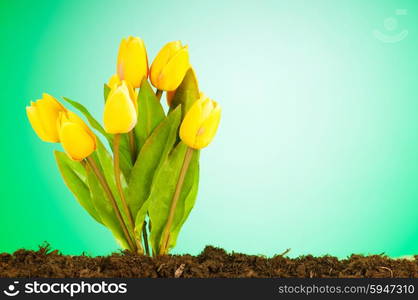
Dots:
pixel 200 123
pixel 42 115
pixel 115 82
pixel 76 137
pixel 120 114
pixel 169 67
pixel 132 64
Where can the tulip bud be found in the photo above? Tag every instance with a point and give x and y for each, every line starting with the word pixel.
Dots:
pixel 200 123
pixel 169 67
pixel 115 82
pixel 132 64
pixel 76 137
pixel 119 113
pixel 43 115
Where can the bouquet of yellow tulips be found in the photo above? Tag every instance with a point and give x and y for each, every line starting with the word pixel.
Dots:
pixel 144 189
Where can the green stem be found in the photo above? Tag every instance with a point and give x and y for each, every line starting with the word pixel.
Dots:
pixel 116 143
pixel 179 186
pixel 159 93
pixel 100 177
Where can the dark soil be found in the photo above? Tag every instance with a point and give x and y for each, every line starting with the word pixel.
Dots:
pixel 212 262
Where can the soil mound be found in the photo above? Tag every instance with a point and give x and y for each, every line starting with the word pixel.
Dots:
pixel 211 263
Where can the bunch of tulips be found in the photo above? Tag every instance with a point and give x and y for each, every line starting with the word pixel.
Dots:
pixel 145 187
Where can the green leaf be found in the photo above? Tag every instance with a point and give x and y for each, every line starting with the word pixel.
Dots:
pixel 105 208
pixel 75 177
pixel 84 185
pixel 106 91
pixel 162 193
pixel 150 113
pixel 153 152
pixel 184 207
pixel 187 93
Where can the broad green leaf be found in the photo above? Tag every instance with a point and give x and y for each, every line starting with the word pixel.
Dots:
pixel 106 91
pixel 105 208
pixel 75 177
pixel 184 207
pixel 153 152
pixel 187 93
pixel 125 156
pixel 162 193
pixel 150 113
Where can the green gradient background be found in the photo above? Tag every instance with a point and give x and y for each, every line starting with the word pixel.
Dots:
pixel 317 149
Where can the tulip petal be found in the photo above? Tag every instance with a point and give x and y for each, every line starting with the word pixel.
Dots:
pixel 76 141
pixel 173 73
pixel 36 123
pixel 74 118
pixel 201 123
pixel 208 129
pixel 207 106
pixel 48 111
pixel 114 81
pixel 162 58
pixel 132 64
pixel 121 59
pixel 119 113
pixel 191 124
pixel 53 102
pixel 132 94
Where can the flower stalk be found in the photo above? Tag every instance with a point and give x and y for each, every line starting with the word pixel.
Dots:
pixel 100 177
pixel 179 186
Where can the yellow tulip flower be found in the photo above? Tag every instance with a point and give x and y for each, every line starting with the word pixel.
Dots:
pixel 132 64
pixel 119 113
pixel 169 67
pixel 114 82
pixel 200 123
pixel 76 137
pixel 42 115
